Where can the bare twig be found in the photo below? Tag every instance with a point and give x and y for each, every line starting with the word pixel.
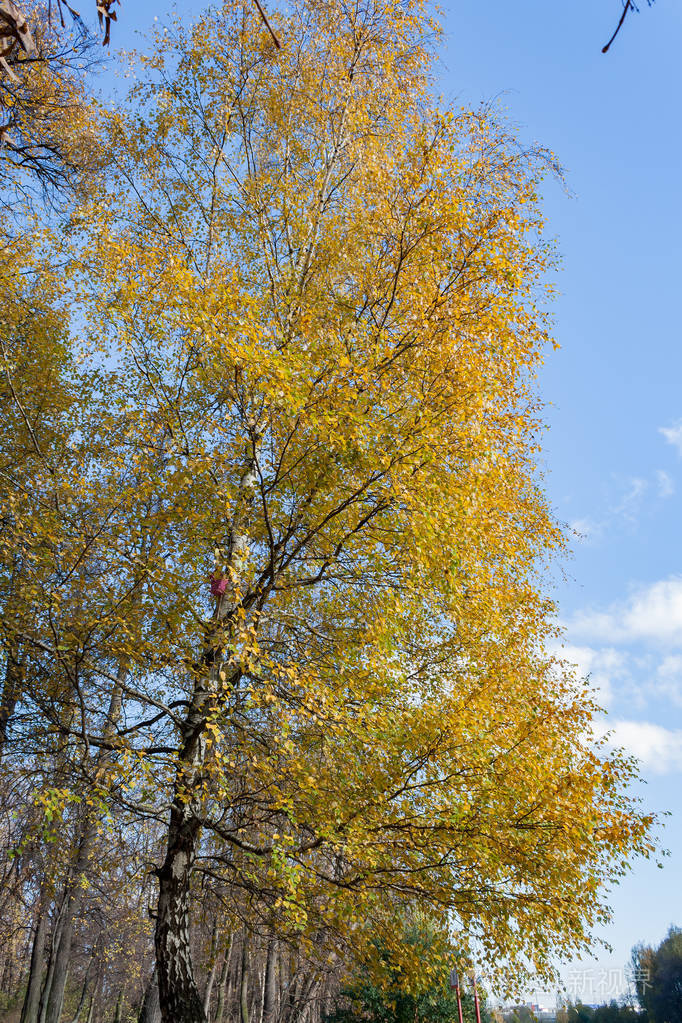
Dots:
pixel 629 5
pixel 268 25
pixel 14 27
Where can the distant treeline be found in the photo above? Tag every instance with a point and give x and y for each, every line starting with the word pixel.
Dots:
pixel 655 974
pixel 611 1013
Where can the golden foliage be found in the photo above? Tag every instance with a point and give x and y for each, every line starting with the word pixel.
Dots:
pixel 318 294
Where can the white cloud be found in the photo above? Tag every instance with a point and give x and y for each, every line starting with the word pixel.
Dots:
pixel 629 504
pixel 656 612
pixel 602 668
pixel 668 680
pixel 666 484
pixel 671 667
pixel 602 626
pixel 586 529
pixel 658 749
pixel 673 435
pixel 626 508
pixel 652 613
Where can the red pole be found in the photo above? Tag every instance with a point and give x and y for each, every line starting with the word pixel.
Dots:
pixel 459 1003
pixel 454 983
pixel 478 1008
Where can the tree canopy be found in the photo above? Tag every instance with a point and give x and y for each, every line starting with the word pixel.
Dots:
pixel 274 538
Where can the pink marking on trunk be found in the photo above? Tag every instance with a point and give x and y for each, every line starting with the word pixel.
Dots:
pixel 218 584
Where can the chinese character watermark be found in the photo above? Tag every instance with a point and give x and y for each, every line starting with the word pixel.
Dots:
pixel 600 984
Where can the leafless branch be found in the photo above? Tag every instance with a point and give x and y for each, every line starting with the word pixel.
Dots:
pixel 629 5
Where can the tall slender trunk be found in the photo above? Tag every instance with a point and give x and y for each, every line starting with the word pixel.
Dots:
pixel 84 994
pixel 244 982
pixel 300 991
pixel 53 996
pixel 270 984
pixel 29 1011
pixel 179 995
pixel 73 899
pixel 10 692
pixel 180 1001
pixel 178 992
pixel 7 970
pixel 224 984
pixel 14 666
pixel 289 1003
pixel 55 938
pixel 214 969
pixel 119 1006
pixel 91 1010
pixel 151 1009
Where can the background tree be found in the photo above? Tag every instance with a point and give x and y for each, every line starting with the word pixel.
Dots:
pixel 393 998
pixel 613 1012
pixel 49 147
pixel 17 32
pixel 657 976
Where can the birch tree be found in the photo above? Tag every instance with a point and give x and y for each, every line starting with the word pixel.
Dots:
pixel 320 292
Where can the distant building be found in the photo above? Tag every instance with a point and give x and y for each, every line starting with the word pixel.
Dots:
pixel 529 1012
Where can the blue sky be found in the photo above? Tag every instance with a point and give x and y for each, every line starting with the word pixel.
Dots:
pixel 613 454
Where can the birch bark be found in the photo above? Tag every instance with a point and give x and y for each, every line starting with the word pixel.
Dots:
pixel 179 995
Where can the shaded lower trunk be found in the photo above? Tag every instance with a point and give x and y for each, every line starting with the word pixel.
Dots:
pixel 81 1003
pixel 119 1006
pixel 31 1006
pixel 91 1010
pixel 301 990
pixel 151 1006
pixel 270 984
pixel 90 985
pixel 212 975
pixel 224 984
pixel 54 944
pixel 10 694
pixel 244 985
pixel 178 993
pixel 54 994
pixel 7 972
pixel 53 999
